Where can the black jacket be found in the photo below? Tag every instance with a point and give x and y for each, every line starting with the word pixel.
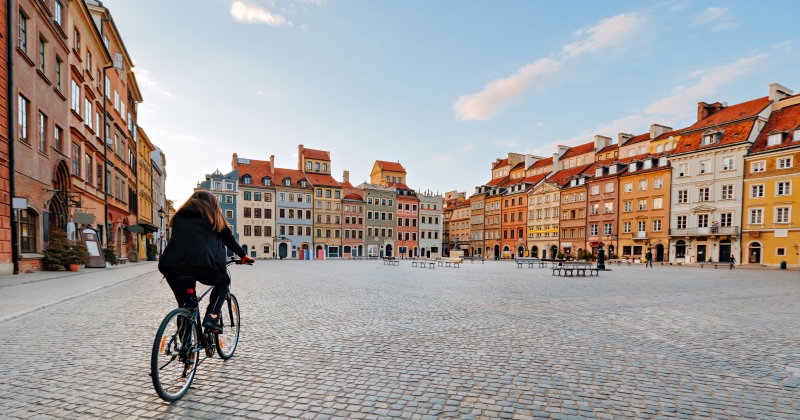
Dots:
pixel 196 250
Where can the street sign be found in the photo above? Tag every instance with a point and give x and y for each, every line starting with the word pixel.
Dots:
pixel 20 203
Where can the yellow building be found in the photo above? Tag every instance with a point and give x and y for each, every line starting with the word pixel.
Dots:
pixel 771 222
pixel 145 192
pixel 385 173
pixel 316 166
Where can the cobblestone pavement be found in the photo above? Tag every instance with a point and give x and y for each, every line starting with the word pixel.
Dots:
pixel 356 339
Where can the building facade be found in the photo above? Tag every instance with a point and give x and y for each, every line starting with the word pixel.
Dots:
pixel 573 215
pixel 460 228
pixel 477 221
pixel 644 208
pixel 6 133
pixel 353 212
pixel 430 225
pixel 379 221
pixel 144 187
pixel 407 217
pixel 226 188
pixel 257 209
pixel 771 225
pixel 158 163
pixel 316 166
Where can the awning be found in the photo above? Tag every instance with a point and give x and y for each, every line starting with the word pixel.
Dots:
pixel 135 229
pixel 148 227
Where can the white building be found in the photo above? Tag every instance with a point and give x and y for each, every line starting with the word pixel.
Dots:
pixel 430 225
pixel 158 163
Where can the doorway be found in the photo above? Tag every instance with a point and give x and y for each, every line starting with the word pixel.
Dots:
pixel 520 251
pixel 701 253
pixel 725 250
pixel 659 252
pixel 754 253
pixel 389 250
pixel 283 249
pixel 496 251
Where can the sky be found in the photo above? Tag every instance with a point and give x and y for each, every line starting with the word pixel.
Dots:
pixel 444 87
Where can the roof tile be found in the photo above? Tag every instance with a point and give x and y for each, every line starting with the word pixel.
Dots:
pixel 786 119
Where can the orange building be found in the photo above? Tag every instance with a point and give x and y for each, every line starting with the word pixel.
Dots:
pixel 459 228
pixel 573 212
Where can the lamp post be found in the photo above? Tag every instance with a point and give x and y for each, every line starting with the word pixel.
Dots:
pixel 161 231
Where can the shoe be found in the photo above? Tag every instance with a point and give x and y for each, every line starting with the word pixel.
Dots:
pixel 212 324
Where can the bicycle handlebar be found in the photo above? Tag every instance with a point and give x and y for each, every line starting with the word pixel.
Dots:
pixel 236 261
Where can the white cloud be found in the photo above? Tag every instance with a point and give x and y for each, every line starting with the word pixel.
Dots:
pixel 539 124
pixel 718 18
pixel 679 6
pixel 304 27
pixel 468 148
pixel 149 84
pixel 508 143
pixel 608 33
pixel 442 159
pixel 784 47
pixel 683 100
pixel 253 13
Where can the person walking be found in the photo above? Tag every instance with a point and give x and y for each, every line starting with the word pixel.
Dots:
pixel 648 258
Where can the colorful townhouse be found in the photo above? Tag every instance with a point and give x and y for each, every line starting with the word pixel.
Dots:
pixel 316 167
pixel 379 222
pixel 353 212
pixel 256 208
pixel 459 228
pixel 226 188
pixel 771 225
pixel 407 220
pixel 571 228
pixel 493 215
pixel 513 211
pixel 450 201
pixel 477 221
pixel 430 225
pixel 707 179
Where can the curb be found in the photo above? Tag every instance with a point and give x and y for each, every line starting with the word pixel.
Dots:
pixel 26 311
pixel 67 274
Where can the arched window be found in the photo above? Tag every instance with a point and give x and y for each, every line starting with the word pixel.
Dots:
pixel 247 179
pixel 266 181
pixel 27 230
pixel 680 249
pixel 287 181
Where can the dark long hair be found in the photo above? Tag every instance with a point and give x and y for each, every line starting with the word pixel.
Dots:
pixel 208 206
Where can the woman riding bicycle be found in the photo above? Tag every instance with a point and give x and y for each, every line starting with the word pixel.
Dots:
pixel 196 253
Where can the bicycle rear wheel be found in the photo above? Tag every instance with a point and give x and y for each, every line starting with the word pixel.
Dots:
pixel 230 320
pixel 176 353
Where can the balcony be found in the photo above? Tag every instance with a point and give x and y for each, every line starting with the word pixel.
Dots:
pixel 639 236
pixel 706 231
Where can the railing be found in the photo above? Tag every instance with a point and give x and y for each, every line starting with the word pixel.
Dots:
pixel 719 230
pixel 641 235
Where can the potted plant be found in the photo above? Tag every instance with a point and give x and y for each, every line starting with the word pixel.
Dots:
pixel 57 254
pixel 78 255
pixel 152 251
pixel 110 255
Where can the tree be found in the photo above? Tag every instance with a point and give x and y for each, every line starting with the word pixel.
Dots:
pixel 57 254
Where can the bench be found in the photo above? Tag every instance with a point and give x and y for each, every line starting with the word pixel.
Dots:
pixel 619 262
pixel 576 269
pixel 472 259
pixel 413 263
pixel 391 261
pixel 122 260
pixel 717 264
pixel 453 262
pixel 530 262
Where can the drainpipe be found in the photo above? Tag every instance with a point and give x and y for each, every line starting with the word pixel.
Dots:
pixel 105 134
pixel 11 132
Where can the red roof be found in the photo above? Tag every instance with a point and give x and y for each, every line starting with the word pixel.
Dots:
pixel 346 185
pixel 732 133
pixel 390 166
pixel 496 182
pixel 533 180
pixel 293 174
pixel 608 149
pixel 669 134
pixel 398 186
pixel 503 162
pixel 563 176
pixel 578 150
pixel 638 139
pixel 316 154
pixel 732 113
pixel 322 180
pixel 542 162
pixel 783 120
pixel 353 196
pixel 257 169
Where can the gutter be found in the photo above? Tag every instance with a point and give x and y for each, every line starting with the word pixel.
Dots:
pixel 11 132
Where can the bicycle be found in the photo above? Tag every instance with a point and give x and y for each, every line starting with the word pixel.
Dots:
pixel 176 348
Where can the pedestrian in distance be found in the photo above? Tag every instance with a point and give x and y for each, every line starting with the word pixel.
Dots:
pixel 196 253
pixel 648 258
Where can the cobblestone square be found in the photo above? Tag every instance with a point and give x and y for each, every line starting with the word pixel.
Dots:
pixel 357 339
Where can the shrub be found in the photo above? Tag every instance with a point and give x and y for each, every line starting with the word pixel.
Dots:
pixel 57 254
pixel 560 255
pixel 110 254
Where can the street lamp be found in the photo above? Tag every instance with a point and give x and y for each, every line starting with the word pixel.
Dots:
pixel 161 231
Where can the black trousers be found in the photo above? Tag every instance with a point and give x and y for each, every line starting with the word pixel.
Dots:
pixel 180 285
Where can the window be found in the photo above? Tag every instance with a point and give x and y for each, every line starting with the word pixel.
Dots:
pixel 595 189
pixel 23 33
pixel 607 229
pixel 774 139
pixel 783 188
pixel 257 212
pixel 116 100
pixel 726 219
pixel 229 214
pixel 643 185
pixel 683 196
pixel 796 135
pixel 609 187
pixel 76 160
pixel 88 59
pixel 24 110
pixel 727 192
pixel 658 183
pixel 608 208
pixel 681 222
pixel 248 230
pixel 27 231
pixel 626 227
pixel 756 216
pixel 595 210
pixel 87 109
pixel 627 206
pixel 727 164
pixel 704 194
pixel 656 225
pixel 87 162
pixel 76 40
pixel 59 65
pixel 757 191
pixel 316 167
pixel 705 166
pixel 42 48
pixel 593 230
pixel 781 214
pixel 759 166
pixel 784 163
pixel 642 205
pixel 228 199
pixel 248 196
pixel 683 169
pixel 710 138
pixel 702 220
pixel 640 226
pixel 59 139
pixel 42 132
pixel 287 182
pixel 628 187
pixel 76 97
pixel 256 196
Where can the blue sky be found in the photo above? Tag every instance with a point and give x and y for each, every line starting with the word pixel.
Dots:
pixel 444 87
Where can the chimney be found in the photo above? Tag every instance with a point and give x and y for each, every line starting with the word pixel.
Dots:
pixel 705 110
pixel 530 160
pixel 555 163
pixel 657 130
pixel 346 176
pixel 603 141
pixel 272 164
pixel 778 92
pixel 235 162
pixel 300 157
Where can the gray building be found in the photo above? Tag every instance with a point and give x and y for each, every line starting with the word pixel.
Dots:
pixel 430 225
pixel 379 220
pixel 226 188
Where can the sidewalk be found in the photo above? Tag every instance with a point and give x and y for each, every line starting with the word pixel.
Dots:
pixel 25 293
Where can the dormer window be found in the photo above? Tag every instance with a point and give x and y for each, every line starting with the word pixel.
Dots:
pixel 659 148
pixel 648 164
pixel 247 179
pixel 711 138
pixel 662 161
pixel 316 167
pixel 598 171
pixel 580 181
pixel 796 134
pixel 612 169
pixel 324 167
pixel 287 181
pixel 302 183
pixel 573 183
pixel 775 139
pixel 266 181
pixel 632 167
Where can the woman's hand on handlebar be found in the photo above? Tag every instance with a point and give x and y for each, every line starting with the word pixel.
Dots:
pixel 247 260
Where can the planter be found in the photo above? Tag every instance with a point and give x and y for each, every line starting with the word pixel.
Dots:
pixel 74 267
pixel 153 258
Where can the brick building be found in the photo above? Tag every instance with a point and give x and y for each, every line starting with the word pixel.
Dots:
pixel 6 233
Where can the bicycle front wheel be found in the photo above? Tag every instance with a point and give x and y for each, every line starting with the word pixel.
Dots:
pixel 230 320
pixel 176 353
